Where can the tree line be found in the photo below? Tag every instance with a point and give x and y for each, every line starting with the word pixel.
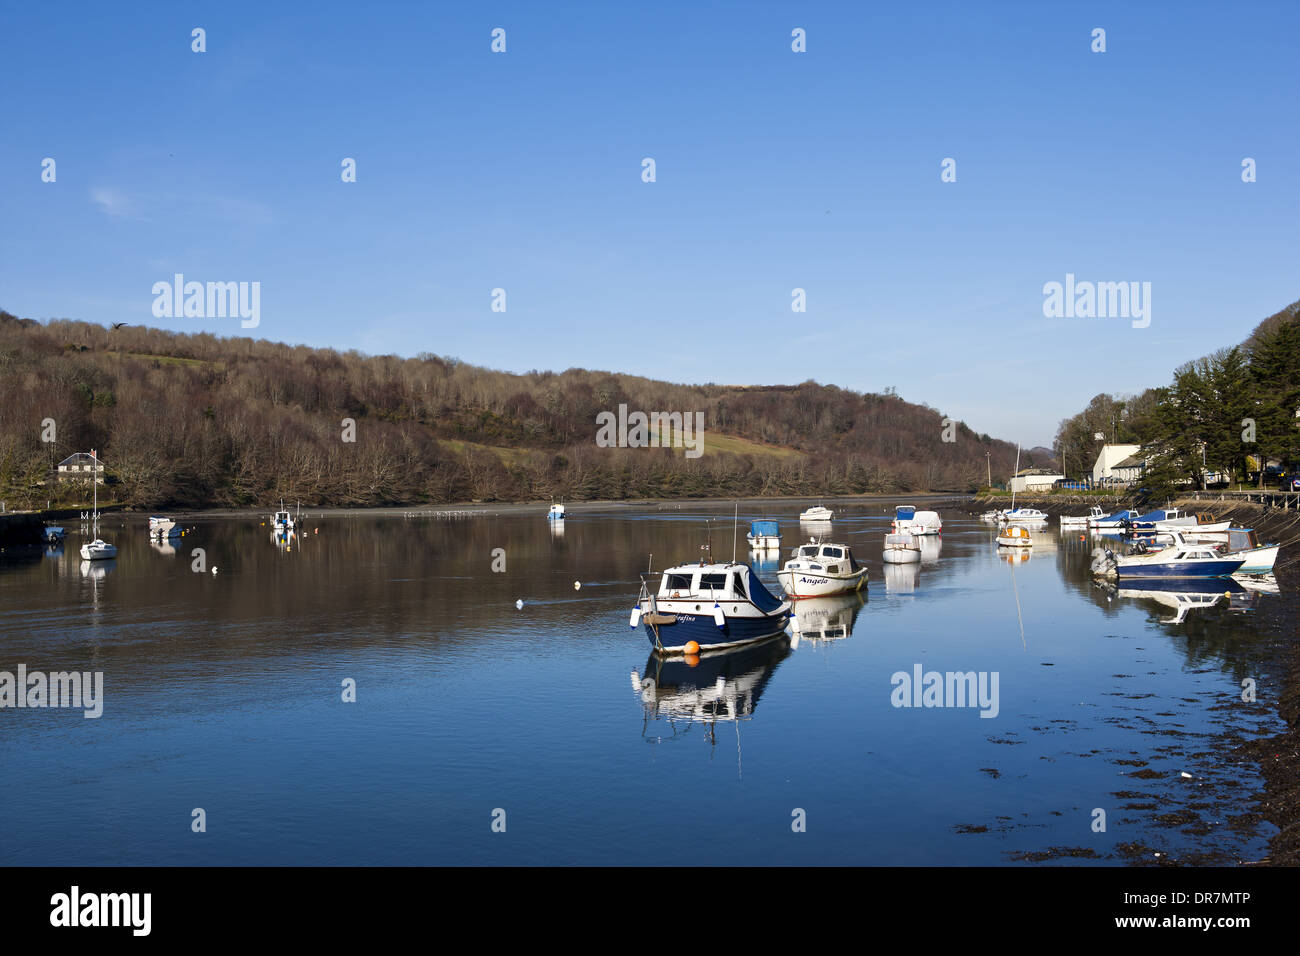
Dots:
pixel 1229 413
pixel 199 420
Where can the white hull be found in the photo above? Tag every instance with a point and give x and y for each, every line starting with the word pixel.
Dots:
pixel 1193 528
pixel 902 556
pixel 817 514
pixel 1005 542
pixel 98 550
pixel 810 584
pixel 766 542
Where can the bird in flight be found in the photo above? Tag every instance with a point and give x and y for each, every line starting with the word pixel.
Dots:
pixel 118 325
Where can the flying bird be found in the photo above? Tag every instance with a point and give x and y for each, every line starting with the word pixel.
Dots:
pixel 118 325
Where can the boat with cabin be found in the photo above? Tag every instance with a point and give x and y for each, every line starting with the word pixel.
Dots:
pixel 764 535
pixel 1095 513
pixel 1243 543
pixel 901 547
pixel 820 569
pixel 556 513
pixel 817 513
pixel 1023 515
pixel 283 519
pixel 907 520
pixel 707 606
pixel 1015 536
pixel 1180 559
pixel 1113 522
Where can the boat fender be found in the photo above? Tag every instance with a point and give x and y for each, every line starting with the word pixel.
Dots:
pixel 636 616
pixel 719 618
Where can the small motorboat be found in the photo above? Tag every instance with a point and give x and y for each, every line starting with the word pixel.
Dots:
pixel 1169 517
pixel 908 520
pixel 1258 558
pixel 1194 524
pixel 764 535
pixel 283 519
pixel 1120 519
pixel 1081 521
pixel 817 513
pixel 1181 559
pixel 53 533
pixel 902 547
pixel 818 569
pixel 98 550
pixel 1024 515
pixel 707 606
pixel 1015 536
pixel 160 527
pixel 556 513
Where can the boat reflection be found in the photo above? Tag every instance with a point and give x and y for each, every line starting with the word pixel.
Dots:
pixel 1183 597
pixel 825 619
pixel 717 685
pixel 283 539
pixel 164 546
pixel 901 578
pixel 931 545
pixel 765 562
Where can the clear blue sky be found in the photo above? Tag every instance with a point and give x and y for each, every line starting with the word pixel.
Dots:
pixel 775 170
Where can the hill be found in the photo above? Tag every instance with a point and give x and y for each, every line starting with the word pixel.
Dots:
pixel 190 420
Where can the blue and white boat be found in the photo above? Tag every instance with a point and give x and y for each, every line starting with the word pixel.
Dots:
pixel 1242 543
pixel 1181 559
pixel 1147 522
pixel 1120 519
pixel 556 513
pixel 764 535
pixel 710 606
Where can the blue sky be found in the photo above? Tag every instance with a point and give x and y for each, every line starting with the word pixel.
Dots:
pixel 775 170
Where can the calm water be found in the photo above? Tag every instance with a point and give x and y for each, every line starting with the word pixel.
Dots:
pixel 224 692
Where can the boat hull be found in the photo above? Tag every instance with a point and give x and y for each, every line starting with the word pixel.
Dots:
pixel 901 556
pixel 1197 569
pixel 811 584
pixel 1258 560
pixel 699 627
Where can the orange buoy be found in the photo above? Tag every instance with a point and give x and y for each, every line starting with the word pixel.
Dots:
pixel 692 648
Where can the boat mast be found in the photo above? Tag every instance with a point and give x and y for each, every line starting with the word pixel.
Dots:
pixel 1013 479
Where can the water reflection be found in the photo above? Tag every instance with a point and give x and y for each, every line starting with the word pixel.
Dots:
pixel 825 619
pixel 931 545
pixel 765 562
pixel 718 685
pixel 283 539
pixel 1183 597
pixel 901 578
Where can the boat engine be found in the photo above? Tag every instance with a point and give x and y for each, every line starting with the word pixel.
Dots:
pixel 1103 562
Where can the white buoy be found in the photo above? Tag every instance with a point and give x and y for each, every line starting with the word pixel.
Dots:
pixel 519 605
pixel 577 585
pixel 214 569
pixel 719 618
pixel 636 616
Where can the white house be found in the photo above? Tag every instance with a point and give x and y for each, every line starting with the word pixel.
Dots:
pixel 1110 457
pixel 1034 479
pixel 80 467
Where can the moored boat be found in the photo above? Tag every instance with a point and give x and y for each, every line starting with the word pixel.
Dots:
pixel 819 569
pixel 817 513
pixel 706 606
pixel 1119 519
pixel 764 535
pixel 902 547
pixel 1015 536
pixel 907 520
pixel 1257 558
pixel 1081 521
pixel 1181 559
pixel 1023 515
pixel 556 513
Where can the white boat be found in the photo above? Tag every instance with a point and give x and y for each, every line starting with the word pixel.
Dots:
pixel 902 547
pixel 819 569
pixel 98 549
pixel 920 523
pixel 283 519
pixel 1242 543
pixel 556 513
pixel 1082 521
pixel 1023 515
pixel 1194 524
pixel 817 513
pixel 764 535
pixel 1015 536
pixel 162 527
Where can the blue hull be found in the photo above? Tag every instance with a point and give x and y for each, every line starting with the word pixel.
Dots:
pixel 1201 569
pixel 701 629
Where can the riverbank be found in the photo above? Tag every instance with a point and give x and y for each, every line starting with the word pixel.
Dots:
pixel 1278 756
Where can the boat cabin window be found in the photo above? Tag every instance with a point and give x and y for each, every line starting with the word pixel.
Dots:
pixel 678 582
pixel 809 551
pixel 713 582
pixel 833 552
pixel 738 584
